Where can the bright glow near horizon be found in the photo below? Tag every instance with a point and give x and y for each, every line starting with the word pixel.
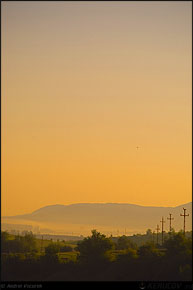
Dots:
pixel 83 85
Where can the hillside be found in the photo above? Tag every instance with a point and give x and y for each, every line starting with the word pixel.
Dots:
pixel 116 215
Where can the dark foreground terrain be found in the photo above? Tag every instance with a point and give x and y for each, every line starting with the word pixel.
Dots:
pixel 96 258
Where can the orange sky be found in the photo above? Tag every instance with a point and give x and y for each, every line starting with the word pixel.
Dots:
pixel 84 84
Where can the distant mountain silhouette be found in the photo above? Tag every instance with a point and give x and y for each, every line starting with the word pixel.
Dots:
pixel 118 215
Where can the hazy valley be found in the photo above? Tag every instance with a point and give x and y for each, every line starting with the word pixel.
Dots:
pixel 109 218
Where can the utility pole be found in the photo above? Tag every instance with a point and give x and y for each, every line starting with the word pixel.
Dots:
pixel 162 222
pixel 41 247
pixel 157 229
pixel 184 215
pixel 153 235
pixel 170 218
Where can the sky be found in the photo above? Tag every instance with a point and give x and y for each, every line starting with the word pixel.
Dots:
pixel 96 103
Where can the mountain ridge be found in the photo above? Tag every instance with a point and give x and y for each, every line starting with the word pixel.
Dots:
pixel 82 217
pixel 113 214
pixel 52 206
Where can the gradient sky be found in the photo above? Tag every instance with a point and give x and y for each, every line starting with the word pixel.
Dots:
pixel 84 84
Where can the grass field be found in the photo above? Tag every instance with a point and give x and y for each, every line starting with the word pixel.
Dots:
pixel 41 244
pixel 67 256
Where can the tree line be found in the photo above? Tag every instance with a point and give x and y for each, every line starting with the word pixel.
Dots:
pixel 98 258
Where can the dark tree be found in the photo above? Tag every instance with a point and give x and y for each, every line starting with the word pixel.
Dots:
pixel 124 243
pixel 94 248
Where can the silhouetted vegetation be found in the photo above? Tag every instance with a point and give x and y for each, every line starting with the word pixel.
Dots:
pixel 55 248
pixel 19 244
pixel 97 258
pixel 94 248
pixel 124 243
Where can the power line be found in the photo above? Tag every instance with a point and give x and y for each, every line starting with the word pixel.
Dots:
pixel 184 215
pixel 170 219
pixel 41 246
pixel 157 229
pixel 162 222
pixel 153 234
